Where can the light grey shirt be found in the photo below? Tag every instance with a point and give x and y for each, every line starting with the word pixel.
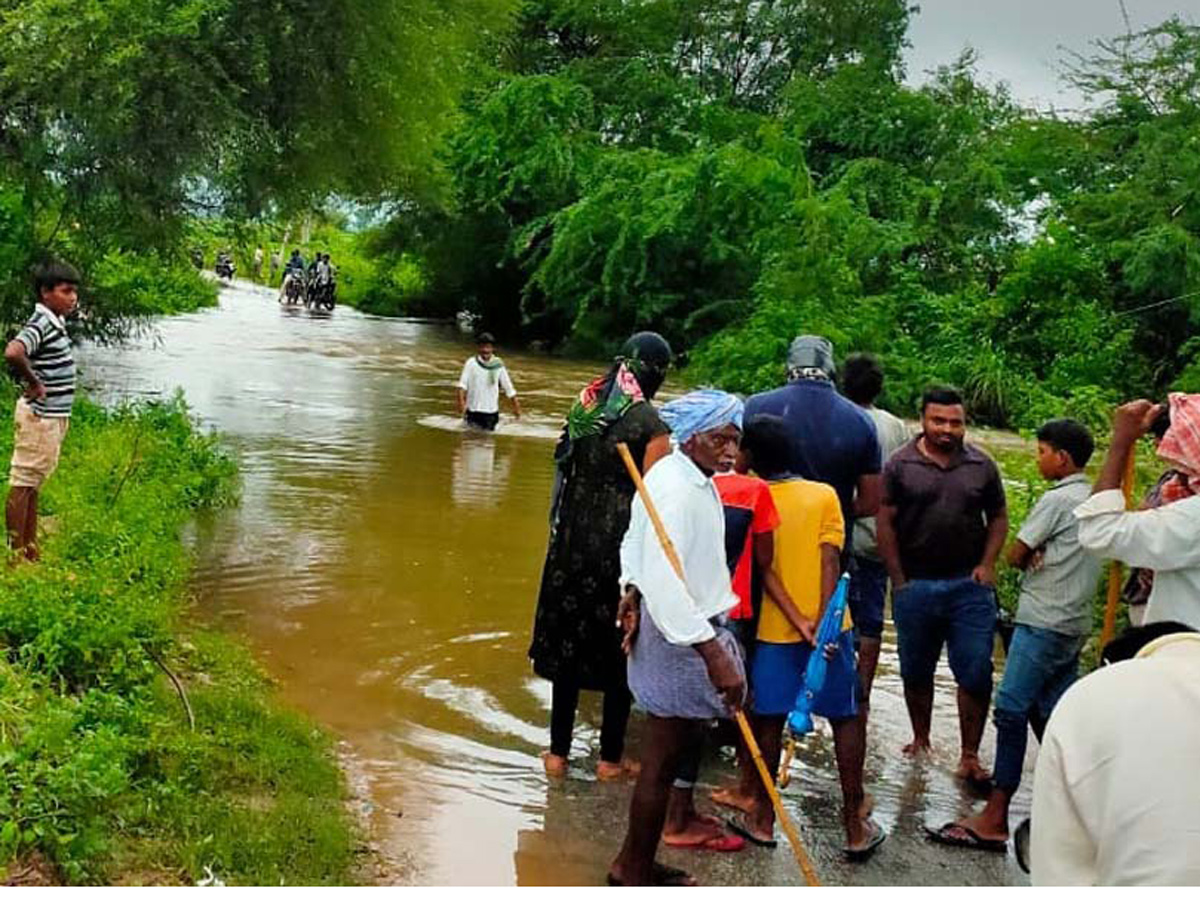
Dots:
pixel 1059 595
pixel 893 434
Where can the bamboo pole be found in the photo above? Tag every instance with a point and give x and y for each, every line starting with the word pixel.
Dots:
pixel 785 822
pixel 1114 569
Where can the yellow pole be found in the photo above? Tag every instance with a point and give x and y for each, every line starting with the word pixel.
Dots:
pixel 785 822
pixel 1114 570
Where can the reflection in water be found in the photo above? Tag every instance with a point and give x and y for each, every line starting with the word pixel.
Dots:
pixel 384 564
pixel 479 478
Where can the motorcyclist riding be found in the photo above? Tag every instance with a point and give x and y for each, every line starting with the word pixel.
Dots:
pixel 292 272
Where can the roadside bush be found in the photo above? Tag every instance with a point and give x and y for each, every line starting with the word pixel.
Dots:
pixel 101 771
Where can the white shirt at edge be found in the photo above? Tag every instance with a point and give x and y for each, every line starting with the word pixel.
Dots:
pixel 483 386
pixel 691 511
pixel 1116 793
pixel 1165 540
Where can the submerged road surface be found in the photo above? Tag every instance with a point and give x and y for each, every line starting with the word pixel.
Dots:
pixel 384 566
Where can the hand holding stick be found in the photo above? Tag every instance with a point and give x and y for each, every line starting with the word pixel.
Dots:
pixel 785 822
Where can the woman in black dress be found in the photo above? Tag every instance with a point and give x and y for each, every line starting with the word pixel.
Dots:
pixel 576 642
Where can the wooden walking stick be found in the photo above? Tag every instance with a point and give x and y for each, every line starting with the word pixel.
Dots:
pixel 810 875
pixel 1114 569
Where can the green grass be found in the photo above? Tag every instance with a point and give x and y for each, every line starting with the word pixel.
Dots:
pixel 100 770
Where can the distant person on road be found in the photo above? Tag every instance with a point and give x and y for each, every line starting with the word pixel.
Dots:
pixel 685 667
pixel 862 382
pixel 576 644
pixel 941 528
pixel 276 262
pixel 293 269
pixel 484 375
pixel 1054 619
pixel 42 357
pixel 258 263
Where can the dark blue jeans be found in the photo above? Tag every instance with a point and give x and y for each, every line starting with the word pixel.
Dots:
pixel 868 590
pixel 1041 665
pixel 956 613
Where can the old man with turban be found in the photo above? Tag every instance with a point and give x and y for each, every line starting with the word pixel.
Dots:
pixel 684 665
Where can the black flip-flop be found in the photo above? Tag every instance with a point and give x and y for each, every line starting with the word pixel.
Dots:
pixel 735 824
pixel 972 841
pixel 661 876
pixel 1021 845
pixel 862 854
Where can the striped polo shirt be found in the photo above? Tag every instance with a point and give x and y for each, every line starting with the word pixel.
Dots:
pixel 49 350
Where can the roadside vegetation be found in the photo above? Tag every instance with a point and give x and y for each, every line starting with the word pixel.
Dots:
pixel 107 773
pixel 735 173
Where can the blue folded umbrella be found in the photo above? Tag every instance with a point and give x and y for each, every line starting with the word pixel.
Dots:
pixel 828 631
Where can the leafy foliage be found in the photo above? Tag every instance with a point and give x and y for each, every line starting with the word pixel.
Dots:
pixel 101 773
pixel 121 118
pixel 734 173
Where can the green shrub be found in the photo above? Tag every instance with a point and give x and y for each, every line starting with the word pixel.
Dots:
pixel 101 771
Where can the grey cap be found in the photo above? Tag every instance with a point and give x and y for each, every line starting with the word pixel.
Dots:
pixel 810 351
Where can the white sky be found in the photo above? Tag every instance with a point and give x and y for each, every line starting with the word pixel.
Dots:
pixel 1019 40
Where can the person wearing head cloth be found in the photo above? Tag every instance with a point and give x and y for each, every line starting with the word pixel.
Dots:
pixel 1162 539
pixel 576 644
pixel 832 440
pixel 685 667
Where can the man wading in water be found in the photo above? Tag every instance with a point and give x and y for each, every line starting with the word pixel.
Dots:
pixel 483 375
pixel 684 664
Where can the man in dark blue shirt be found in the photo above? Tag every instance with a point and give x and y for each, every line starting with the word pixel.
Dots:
pixel 832 440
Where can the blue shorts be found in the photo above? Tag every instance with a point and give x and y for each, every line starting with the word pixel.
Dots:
pixel 955 612
pixel 777 678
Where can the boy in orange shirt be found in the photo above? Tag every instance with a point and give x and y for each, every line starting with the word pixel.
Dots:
pixel 808 546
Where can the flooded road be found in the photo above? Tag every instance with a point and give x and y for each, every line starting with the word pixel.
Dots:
pixel 384 565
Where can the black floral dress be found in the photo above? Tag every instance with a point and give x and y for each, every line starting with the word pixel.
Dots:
pixel 575 636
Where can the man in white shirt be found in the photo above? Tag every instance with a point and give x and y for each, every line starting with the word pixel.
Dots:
pixel 1115 794
pixel 1165 540
pixel 684 665
pixel 483 376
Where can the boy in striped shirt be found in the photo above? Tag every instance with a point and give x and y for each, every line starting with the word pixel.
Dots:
pixel 41 356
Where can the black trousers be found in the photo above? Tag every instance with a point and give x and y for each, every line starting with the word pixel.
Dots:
pixel 563 704
pixel 486 421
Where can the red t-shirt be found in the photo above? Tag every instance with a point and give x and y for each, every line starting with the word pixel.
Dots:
pixel 749 510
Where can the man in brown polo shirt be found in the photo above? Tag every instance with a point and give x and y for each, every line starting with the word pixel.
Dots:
pixel 941 528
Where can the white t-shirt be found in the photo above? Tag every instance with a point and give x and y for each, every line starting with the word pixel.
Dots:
pixel 483 385
pixel 1116 792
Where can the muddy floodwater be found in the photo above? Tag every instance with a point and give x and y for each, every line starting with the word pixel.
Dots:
pixel 383 564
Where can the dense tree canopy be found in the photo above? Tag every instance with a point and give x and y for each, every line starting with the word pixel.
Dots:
pixel 120 117
pixel 733 173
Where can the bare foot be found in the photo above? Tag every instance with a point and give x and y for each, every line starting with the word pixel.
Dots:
pixel 555 766
pixel 866 807
pixel 732 798
pixel 610 771
pixel 972 772
pixel 918 748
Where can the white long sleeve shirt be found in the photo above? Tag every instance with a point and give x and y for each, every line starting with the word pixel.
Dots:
pixel 691 511
pixel 1165 540
pixel 1116 792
